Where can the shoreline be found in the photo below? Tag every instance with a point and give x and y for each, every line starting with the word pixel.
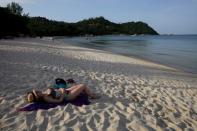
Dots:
pixel 177 69
pixel 136 94
pixel 59 40
pixel 143 60
pixel 182 68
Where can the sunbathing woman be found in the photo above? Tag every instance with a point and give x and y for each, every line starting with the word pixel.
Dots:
pixel 59 95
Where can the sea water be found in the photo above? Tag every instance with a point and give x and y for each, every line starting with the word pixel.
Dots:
pixel 178 51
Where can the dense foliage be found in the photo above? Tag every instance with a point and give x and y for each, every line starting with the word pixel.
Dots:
pixel 14 23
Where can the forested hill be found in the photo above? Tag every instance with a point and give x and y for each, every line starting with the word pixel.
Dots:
pixel 100 26
pixel 14 23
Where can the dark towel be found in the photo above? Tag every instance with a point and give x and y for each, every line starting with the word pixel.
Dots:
pixel 79 101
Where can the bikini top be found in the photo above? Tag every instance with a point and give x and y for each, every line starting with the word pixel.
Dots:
pixel 55 94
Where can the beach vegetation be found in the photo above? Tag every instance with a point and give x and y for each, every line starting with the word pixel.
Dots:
pixel 15 8
pixel 14 22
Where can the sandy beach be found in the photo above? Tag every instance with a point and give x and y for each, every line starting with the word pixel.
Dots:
pixel 135 94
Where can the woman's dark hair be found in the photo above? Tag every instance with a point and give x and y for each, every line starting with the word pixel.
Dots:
pixel 34 99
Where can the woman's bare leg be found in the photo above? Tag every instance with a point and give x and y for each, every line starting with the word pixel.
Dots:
pixel 73 87
pixel 78 89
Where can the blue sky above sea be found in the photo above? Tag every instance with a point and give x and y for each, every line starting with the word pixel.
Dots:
pixel 165 16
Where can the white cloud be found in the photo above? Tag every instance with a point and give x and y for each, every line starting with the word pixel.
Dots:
pixel 5 2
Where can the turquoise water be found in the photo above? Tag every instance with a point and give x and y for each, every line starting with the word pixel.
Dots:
pixel 178 51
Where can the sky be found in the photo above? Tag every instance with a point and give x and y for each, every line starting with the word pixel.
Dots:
pixel 165 16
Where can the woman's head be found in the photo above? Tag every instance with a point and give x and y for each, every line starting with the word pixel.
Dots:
pixel 34 96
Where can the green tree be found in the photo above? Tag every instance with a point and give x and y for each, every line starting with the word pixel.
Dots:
pixel 15 23
pixel 15 8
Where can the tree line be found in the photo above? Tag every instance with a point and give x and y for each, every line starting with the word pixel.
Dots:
pixel 15 23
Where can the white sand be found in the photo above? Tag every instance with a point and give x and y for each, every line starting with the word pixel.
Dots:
pixel 136 94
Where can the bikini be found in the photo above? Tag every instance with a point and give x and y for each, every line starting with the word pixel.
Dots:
pixel 56 94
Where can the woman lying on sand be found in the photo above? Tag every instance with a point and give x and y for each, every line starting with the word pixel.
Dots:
pixel 51 95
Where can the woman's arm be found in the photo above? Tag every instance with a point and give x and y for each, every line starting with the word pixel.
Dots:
pixel 50 99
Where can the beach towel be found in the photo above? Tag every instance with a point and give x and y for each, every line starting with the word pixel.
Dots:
pixel 79 101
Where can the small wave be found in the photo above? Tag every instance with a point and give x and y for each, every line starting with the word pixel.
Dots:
pixel 161 54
